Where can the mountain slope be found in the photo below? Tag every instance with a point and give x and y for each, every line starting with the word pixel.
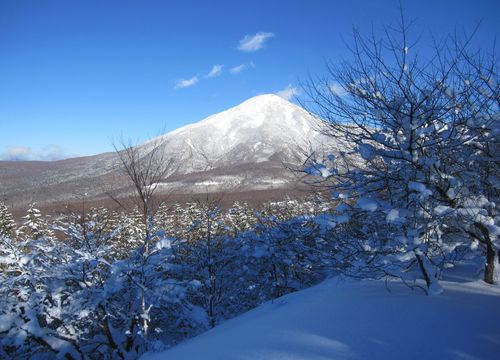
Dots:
pixel 263 128
pixel 243 148
pixel 363 320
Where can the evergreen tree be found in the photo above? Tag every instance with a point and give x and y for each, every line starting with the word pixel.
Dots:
pixel 34 225
pixel 130 232
pixel 240 218
pixel 7 222
pixel 161 220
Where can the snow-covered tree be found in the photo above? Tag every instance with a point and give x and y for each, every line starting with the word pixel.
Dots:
pixel 240 218
pixel 129 233
pixel 281 210
pixel 162 219
pixel 7 222
pixel 207 254
pixel 153 280
pixel 315 204
pixel 287 255
pixel 76 299
pixel 179 221
pixel 405 115
pixel 36 315
pixel 34 225
pixel 92 230
pixel 471 191
pixel 51 288
pixel 83 297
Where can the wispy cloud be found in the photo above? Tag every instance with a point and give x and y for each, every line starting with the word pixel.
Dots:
pixel 237 69
pixel 289 92
pixel 216 71
pixel 25 153
pixel 184 83
pixel 251 43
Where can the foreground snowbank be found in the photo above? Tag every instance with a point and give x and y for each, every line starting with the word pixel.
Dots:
pixel 360 320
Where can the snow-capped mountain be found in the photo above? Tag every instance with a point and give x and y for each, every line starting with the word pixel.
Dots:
pixel 244 148
pixel 263 128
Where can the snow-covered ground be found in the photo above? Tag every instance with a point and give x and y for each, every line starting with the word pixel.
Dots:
pixel 340 319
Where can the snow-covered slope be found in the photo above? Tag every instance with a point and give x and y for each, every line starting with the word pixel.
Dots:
pixel 263 128
pixel 362 320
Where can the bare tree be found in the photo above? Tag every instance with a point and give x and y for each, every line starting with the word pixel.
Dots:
pixel 145 166
pixel 480 168
pixel 408 116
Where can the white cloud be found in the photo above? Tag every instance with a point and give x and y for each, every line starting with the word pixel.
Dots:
pixel 184 83
pixel 216 71
pixel 25 153
pixel 237 69
pixel 16 153
pixel 255 42
pixel 336 89
pixel 289 92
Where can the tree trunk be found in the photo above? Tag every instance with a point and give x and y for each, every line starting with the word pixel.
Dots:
pixel 423 270
pixel 489 268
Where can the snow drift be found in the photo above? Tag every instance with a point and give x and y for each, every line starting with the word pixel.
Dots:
pixel 362 320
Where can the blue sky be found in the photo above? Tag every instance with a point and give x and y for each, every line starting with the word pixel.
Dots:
pixel 76 74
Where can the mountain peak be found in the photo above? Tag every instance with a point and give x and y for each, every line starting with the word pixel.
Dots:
pixel 258 111
pixel 266 102
pixel 266 99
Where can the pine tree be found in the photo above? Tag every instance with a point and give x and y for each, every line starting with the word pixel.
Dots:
pixel 34 226
pixel 177 222
pixel 239 218
pixel 161 220
pixel 130 232
pixel 7 222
